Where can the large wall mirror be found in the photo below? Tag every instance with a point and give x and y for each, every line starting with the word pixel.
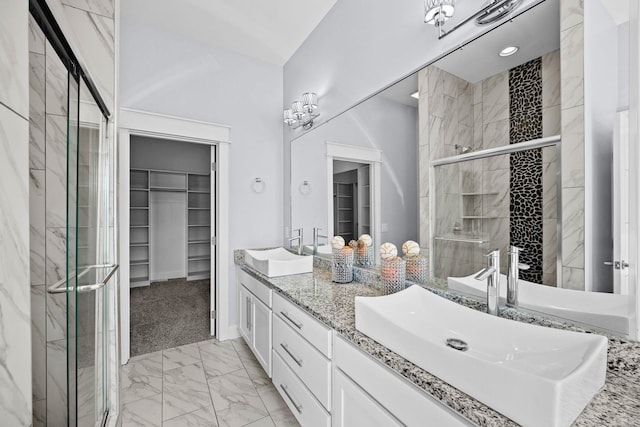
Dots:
pixel 435 158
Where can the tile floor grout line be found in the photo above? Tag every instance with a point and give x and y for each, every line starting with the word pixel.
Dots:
pixel 215 413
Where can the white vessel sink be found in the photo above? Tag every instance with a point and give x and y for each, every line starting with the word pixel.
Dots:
pixel 278 262
pixel 534 375
pixel 608 311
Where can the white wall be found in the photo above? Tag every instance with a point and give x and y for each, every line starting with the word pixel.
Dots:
pixel 164 73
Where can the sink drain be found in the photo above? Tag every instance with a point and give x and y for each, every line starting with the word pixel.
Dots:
pixel 457 344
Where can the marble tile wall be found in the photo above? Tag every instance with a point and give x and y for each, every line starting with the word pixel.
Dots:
pixel 572 129
pixel 15 306
pixel 551 125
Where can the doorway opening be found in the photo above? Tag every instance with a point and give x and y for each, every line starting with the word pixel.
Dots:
pixel 172 197
pixel 351 199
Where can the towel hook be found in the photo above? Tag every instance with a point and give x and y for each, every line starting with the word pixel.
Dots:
pixel 258 185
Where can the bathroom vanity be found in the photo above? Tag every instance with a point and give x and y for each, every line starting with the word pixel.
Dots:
pixel 329 373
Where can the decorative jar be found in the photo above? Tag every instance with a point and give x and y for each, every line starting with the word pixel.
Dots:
pixel 342 265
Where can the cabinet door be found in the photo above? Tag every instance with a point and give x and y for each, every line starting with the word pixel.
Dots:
pixel 244 302
pixel 261 334
pixel 354 407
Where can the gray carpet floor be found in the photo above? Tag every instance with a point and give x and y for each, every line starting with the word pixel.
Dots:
pixel 169 314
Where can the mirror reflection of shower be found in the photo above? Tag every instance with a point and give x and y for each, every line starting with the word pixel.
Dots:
pixel 351 199
pixel 460 149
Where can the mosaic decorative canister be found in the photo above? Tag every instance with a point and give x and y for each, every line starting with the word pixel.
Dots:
pixel 417 269
pixel 342 265
pixel 393 275
pixel 364 256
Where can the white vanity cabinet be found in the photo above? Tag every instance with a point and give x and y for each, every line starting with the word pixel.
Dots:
pixel 367 393
pixel 255 326
pixel 302 363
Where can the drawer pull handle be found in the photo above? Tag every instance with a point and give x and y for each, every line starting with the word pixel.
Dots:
pixel 296 324
pixel 296 405
pixel 295 359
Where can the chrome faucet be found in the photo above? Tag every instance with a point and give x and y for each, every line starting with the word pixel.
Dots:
pixel 316 236
pixel 299 238
pixel 513 274
pixel 492 274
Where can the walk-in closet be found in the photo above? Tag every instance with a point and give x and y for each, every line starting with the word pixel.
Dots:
pixel 170 242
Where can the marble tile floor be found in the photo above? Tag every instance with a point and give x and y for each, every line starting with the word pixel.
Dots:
pixel 208 383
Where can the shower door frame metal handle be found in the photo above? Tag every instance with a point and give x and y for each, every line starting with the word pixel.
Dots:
pixel 59 287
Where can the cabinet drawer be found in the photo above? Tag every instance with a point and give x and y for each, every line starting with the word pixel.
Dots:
pixel 259 289
pixel 307 410
pixel 304 360
pixel 312 330
pixel 395 394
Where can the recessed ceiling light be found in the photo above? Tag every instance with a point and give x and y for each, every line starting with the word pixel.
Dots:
pixel 509 50
pixel 415 95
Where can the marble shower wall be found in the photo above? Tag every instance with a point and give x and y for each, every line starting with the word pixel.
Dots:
pixel 572 126
pixel 551 119
pixel 15 310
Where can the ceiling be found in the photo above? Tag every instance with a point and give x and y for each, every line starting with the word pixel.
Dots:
pixel 268 30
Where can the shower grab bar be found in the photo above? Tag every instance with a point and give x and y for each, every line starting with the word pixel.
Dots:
pixel 59 287
pixel 497 151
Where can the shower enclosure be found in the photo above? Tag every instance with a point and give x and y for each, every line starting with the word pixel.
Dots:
pixel 73 261
pixel 495 198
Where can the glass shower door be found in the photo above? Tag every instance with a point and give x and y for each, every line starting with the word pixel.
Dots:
pixel 94 281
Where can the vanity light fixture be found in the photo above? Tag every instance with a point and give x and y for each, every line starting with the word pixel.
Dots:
pixel 509 50
pixel 416 95
pixel 302 112
pixel 437 12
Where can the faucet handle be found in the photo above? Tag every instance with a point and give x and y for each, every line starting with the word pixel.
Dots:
pixel 492 252
pixel 514 249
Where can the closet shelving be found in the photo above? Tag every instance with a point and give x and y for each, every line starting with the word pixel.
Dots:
pixel 199 226
pixel 198 229
pixel 139 227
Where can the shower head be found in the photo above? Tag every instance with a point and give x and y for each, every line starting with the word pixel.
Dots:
pixel 496 10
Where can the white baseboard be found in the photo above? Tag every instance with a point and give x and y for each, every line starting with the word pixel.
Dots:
pixel 232 332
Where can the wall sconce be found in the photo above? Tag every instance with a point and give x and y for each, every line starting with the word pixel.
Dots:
pixel 437 12
pixel 302 112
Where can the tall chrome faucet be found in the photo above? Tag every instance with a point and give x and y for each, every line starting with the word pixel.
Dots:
pixel 492 274
pixel 316 237
pixel 299 238
pixel 513 274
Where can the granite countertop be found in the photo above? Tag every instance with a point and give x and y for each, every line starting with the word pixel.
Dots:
pixel 618 404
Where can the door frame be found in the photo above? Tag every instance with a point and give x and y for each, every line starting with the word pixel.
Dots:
pixel 364 155
pixel 142 123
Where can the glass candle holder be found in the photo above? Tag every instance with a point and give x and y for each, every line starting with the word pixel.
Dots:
pixel 364 256
pixel 393 275
pixel 342 265
pixel 417 269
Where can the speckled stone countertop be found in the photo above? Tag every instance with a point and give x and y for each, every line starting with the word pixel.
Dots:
pixel 618 404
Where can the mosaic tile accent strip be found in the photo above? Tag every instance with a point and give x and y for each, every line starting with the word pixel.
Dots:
pixel 525 124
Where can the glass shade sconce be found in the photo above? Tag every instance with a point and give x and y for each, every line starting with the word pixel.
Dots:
pixel 302 113
pixel 437 12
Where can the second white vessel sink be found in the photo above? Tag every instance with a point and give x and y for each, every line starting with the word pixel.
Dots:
pixel 612 312
pixel 278 262
pixel 534 375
